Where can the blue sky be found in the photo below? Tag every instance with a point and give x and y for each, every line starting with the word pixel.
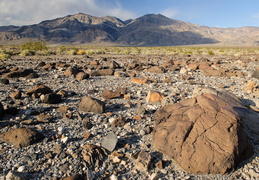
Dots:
pixel 213 13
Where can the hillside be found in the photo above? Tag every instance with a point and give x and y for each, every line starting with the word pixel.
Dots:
pixel 148 30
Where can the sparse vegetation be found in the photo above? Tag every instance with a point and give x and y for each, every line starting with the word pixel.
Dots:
pixel 41 49
pixel 4 55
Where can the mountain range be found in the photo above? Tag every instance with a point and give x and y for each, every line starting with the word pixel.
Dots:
pixel 147 30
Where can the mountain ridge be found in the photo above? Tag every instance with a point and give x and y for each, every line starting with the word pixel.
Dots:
pixel 147 30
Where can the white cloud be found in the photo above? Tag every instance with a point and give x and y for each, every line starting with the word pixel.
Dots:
pixel 170 12
pixel 26 12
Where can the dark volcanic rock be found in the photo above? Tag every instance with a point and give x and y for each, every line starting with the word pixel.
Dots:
pixel 203 134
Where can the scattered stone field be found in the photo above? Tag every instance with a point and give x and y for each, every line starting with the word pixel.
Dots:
pixel 128 117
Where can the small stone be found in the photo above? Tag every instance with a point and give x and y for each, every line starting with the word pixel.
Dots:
pixel 44 118
pixel 143 161
pixel 87 123
pixel 160 164
pixel 256 74
pixel 88 104
pixel 87 135
pixel 110 95
pixel 64 140
pixel 71 71
pixel 51 98
pixel 113 177
pixel 16 95
pixel 12 175
pixel 4 81
pixel 127 96
pixel 139 80
pixel 21 169
pixel 116 159
pixel 153 97
pixel 81 76
pixel 109 142
pixel 137 117
pixel 63 93
pixel 118 122
pixel 62 109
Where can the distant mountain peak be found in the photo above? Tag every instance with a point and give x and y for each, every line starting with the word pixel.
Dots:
pixel 147 30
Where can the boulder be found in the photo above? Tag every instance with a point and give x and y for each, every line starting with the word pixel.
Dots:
pixel 39 89
pixel 103 72
pixel 230 98
pixel 21 137
pixel 88 104
pixel 110 94
pixel 249 117
pixel 203 134
pixel 156 69
pixel 81 76
pixel 18 73
pixel 71 71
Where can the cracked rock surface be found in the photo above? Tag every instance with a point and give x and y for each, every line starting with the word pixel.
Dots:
pixel 203 134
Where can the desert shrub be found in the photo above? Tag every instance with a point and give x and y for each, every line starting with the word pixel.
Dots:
pixel 210 52
pixel 90 52
pixel 27 52
pixel 34 46
pixel 4 55
pixel 72 52
pixel 100 52
pixel 81 52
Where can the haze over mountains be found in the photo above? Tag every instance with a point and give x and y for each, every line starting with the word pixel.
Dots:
pixel 148 30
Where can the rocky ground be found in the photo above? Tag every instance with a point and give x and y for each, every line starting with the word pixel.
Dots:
pixel 115 140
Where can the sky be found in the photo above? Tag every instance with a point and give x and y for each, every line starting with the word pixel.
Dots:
pixel 213 13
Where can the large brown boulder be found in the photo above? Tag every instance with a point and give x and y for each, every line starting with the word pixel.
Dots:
pixel 21 137
pixel 88 104
pixel 203 134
